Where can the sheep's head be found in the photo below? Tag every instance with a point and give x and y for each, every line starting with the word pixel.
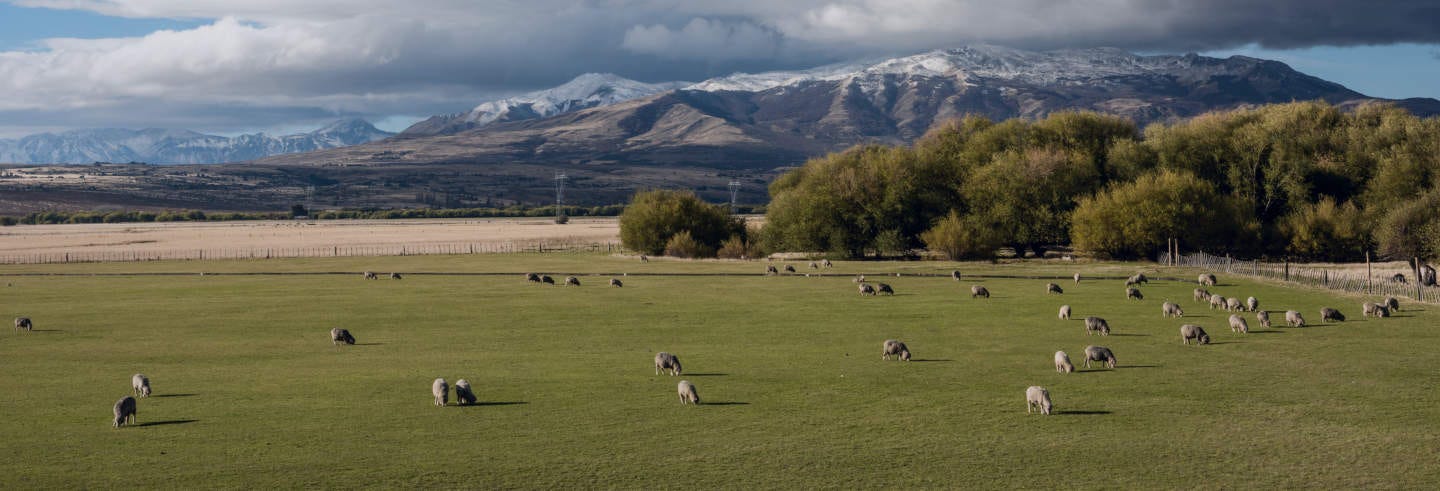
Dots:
pixel 1204 339
pixel 905 355
pixel 145 390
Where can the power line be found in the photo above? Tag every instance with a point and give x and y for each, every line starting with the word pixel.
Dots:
pixel 734 193
pixel 560 178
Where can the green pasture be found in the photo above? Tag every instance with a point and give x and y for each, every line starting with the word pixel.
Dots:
pixel 250 393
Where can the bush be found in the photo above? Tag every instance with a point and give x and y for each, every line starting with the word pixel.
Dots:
pixel 1325 231
pixel 684 245
pixel 958 238
pixel 654 218
pixel 1411 229
pixel 1133 220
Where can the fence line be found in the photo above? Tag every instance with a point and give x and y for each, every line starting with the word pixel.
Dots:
pixel 510 247
pixel 1334 279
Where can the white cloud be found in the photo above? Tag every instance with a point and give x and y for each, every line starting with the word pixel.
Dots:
pixel 705 39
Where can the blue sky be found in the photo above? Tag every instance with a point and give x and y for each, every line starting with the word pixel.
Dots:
pixel 232 66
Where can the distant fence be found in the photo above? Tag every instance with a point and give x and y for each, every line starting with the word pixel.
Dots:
pixel 573 247
pixel 1347 280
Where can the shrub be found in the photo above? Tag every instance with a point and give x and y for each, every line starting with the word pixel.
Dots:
pixel 1134 219
pixel 653 218
pixel 1325 231
pixel 684 245
pixel 959 238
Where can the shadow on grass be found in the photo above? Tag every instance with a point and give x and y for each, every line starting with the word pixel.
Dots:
pixel 1267 331
pixel 935 360
pixel 496 403
pixel 1081 413
pixel 727 403
pixel 175 395
pixel 1136 366
pixel 706 374
pixel 47 330
pixel 1217 343
pixel 1126 334
pixel 168 422
pixel 369 344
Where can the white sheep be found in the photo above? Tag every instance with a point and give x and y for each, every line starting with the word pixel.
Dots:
pixel 1077 278
pixel 668 363
pixel 1133 294
pixel 866 289
pixel 1232 304
pixel 1207 279
pixel 441 390
pixel 1192 331
pixel 1201 295
pixel 1294 319
pixel 1037 398
pixel 1251 304
pixel 1064 312
pixel 464 395
pixel 688 395
pixel 893 347
pixel 1264 318
pixel 979 291
pixel 1100 354
pixel 125 411
pixel 24 323
pixel 1171 309
pixel 1062 363
pixel 1095 324
pixel 1217 301
pixel 338 335
pixel 140 385
pixel 1237 324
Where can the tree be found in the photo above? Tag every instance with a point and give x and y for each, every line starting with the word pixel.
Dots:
pixel 654 217
pixel 1132 220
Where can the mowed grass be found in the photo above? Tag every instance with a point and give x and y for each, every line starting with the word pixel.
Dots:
pixel 250 393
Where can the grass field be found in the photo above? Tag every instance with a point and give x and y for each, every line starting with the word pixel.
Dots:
pixel 250 393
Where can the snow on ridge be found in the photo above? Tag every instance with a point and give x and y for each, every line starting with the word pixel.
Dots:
pixel 585 91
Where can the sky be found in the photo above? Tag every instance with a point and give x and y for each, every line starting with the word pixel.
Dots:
pixel 281 66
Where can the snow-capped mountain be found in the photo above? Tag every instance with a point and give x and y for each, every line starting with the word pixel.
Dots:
pixel 161 146
pixel 584 92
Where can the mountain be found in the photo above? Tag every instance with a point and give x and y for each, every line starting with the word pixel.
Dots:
pixel 584 92
pixel 160 146
pixel 774 119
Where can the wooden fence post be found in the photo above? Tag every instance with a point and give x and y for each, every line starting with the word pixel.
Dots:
pixel 1367 272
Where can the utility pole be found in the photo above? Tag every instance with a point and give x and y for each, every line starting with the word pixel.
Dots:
pixel 734 194
pixel 560 178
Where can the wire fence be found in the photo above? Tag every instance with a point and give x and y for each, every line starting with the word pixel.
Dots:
pixel 1347 279
pixel 536 246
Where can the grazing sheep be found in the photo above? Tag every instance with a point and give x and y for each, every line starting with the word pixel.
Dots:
pixel 1392 304
pixel 826 263
pixel 441 390
pixel 814 265
pixel 858 279
pixel 1100 354
pixel 668 363
pixel 140 385
pixel 1192 331
pixel 370 275
pixel 1065 312
pixel 1232 304
pixel 895 348
pixel 1237 324
pixel 546 279
pixel 338 335
pixel 979 291
pixel 1134 294
pixel 789 268
pixel 644 258
pixel 532 277
pixel 24 323
pixel 125 411
pixel 1053 288
pixel 1367 309
pixel 1062 363
pixel 1217 301
pixel 464 395
pixel 1398 278
pixel 770 269
pixel 615 282
pixel 394 276
pixel 1138 279
pixel 1207 279
pixel 1077 278
pixel 1264 318
pixel 1293 319
pixel 687 393
pixel 1382 311
pixel 1171 309
pixel 1201 295
pixel 955 274
pixel 571 280
pixel 1095 324
pixel 1328 314
pixel 1251 304
pixel 866 289
pixel 884 288
pixel 1037 398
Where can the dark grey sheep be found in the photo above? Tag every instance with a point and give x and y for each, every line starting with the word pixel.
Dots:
pixel 1294 319
pixel 866 289
pixel 1134 294
pixel 789 268
pixel 615 282
pixel 1201 295
pixel 1095 324
pixel 571 280
pixel 1328 314
pixel 441 391
pixel 1053 288
pixel 1237 324
pixel 884 288
pixel 688 395
pixel 955 274
pixel 1037 398
pixel 1064 312
pixel 1100 354
pixel 338 335
pixel 979 291
pixel 1171 309
pixel 464 395
pixel 1192 331
pixel 547 280
pixel 644 258
pixel 1392 304
pixel 1062 363
pixel 1264 318
pixel 770 269
pixel 394 276
pixel 1382 311
pixel 895 348
pixel 532 277
pixel 668 363
pixel 1207 279
pixel 140 385
pixel 125 411
pixel 24 323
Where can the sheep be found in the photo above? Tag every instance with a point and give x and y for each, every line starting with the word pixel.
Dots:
pixel 1207 279
pixel 1328 314
pixel 895 348
pixel 866 289
pixel 1233 304
pixel 858 279
pixel 464 395
pixel 789 268
pixel 615 282
pixel 370 275
pixel 1382 311
pixel 668 363
pixel 770 269
pixel 1037 398
pixel 644 258
pixel 1251 304
pixel 1065 312
pixel 955 274
pixel 1367 309
pixel 687 393
pixel 1062 363
pixel 24 323
pixel 979 291
pixel 532 277
pixel 1237 324
pixel 546 279
pixel 1053 288
pixel 814 265
pixel 394 276
pixel 125 411
pixel 1138 279
pixel 1171 309
pixel 571 280
pixel 1134 294
pixel 1293 319
pixel 441 390
pixel 1264 318
pixel 1217 301
pixel 338 335
pixel 1392 304
pixel 1192 331
pixel 826 263
pixel 1077 278
pixel 140 385
pixel 1095 324
pixel 1398 278
pixel 1201 295
pixel 1100 354
pixel 884 288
